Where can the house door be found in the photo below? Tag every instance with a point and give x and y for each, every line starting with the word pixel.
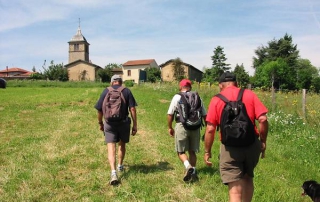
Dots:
pixel 142 76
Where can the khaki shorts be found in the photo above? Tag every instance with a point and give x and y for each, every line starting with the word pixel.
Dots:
pixel 235 162
pixel 186 140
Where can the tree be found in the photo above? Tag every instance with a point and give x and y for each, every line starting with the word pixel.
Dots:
pixel 153 74
pixel 207 75
pixel 276 74
pixel 315 86
pixel 106 73
pixel 282 54
pixel 219 65
pixel 282 48
pixel 178 69
pixel 243 77
pixel 305 73
pixel 56 72
pixel 36 76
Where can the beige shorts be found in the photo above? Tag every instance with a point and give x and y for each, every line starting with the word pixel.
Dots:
pixel 186 140
pixel 235 162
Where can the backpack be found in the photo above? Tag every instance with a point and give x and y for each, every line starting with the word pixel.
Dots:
pixel 113 106
pixel 237 129
pixel 190 110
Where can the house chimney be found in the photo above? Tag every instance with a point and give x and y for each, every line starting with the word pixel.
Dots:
pixel 7 72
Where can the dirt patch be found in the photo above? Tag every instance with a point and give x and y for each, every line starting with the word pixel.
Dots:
pixel 164 101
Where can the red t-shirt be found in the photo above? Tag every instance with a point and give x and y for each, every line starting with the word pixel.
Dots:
pixel 254 106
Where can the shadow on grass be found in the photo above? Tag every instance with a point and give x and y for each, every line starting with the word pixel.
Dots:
pixel 146 169
pixel 208 170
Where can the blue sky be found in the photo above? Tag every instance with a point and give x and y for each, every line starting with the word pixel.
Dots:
pixel 32 31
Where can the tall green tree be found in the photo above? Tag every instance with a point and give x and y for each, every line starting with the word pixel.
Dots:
pixel 219 64
pixel 153 74
pixel 178 69
pixel 282 48
pixel 280 53
pixel 243 77
pixel 56 72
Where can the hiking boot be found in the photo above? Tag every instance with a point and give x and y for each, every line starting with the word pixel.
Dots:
pixel 188 174
pixel 194 177
pixel 114 180
pixel 120 168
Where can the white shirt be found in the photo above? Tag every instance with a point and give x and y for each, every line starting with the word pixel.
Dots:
pixel 175 104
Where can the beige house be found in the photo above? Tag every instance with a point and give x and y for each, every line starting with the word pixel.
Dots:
pixel 167 71
pixel 134 69
pixel 80 67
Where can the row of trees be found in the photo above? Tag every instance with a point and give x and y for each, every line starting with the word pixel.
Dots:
pixel 277 65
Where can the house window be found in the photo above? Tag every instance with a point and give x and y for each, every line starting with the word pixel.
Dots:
pixel 76 47
pixel 129 72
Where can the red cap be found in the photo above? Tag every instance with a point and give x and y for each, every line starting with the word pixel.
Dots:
pixel 185 82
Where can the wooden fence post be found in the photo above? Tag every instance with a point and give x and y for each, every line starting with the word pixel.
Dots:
pixel 273 99
pixel 304 92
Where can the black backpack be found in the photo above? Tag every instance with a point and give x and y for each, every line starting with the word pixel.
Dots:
pixel 113 106
pixel 237 129
pixel 190 110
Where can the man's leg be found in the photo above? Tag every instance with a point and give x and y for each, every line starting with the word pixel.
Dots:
pixel 235 191
pixel 189 169
pixel 112 162
pixel 121 152
pixel 248 190
pixel 241 190
pixel 112 155
pixel 192 158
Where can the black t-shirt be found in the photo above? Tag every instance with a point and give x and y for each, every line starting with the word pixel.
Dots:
pixel 130 101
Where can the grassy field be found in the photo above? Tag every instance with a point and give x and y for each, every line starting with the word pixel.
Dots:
pixel 51 148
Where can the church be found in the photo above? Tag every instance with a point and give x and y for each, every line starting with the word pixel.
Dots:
pixel 79 65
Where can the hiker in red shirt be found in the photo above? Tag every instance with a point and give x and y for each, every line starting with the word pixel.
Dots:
pixel 237 163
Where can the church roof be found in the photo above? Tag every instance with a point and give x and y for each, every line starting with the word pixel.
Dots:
pixel 78 36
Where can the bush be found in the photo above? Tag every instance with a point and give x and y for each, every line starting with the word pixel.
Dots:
pixel 128 83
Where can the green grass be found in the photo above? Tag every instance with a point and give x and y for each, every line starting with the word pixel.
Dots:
pixel 51 148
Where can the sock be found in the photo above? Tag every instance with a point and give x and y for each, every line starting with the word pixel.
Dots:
pixel 194 170
pixel 119 165
pixel 186 164
pixel 113 172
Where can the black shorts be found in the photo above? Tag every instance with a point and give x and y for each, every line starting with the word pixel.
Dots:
pixel 116 131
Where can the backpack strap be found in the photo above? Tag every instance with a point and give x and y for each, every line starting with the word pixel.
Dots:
pixel 222 97
pixel 121 88
pixel 240 94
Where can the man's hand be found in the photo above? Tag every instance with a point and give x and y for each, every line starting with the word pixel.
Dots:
pixel 101 127
pixel 134 130
pixel 171 132
pixel 207 156
pixel 263 149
